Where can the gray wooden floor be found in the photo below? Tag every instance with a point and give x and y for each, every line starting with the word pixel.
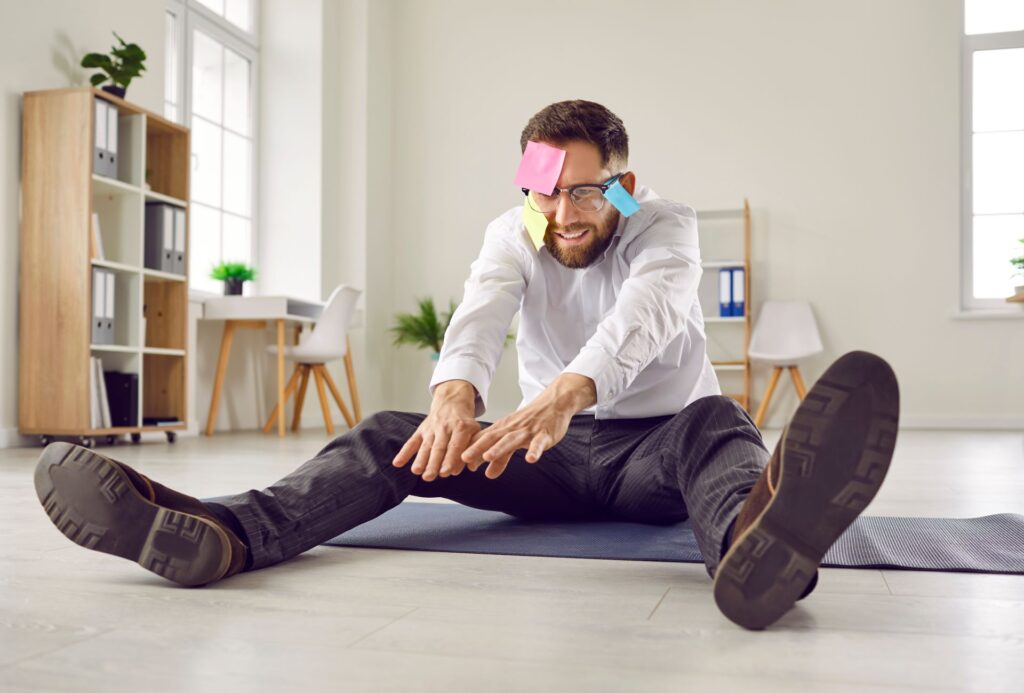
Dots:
pixel 366 619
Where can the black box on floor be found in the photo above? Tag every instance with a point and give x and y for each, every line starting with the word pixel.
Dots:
pixel 123 395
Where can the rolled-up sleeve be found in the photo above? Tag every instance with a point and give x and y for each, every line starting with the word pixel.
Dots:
pixel 651 308
pixel 475 339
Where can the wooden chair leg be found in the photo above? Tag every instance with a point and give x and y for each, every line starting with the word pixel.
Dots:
pixel 763 409
pixel 350 375
pixel 218 381
pixel 798 382
pixel 288 392
pixel 280 374
pixel 324 404
pixel 337 396
pixel 300 398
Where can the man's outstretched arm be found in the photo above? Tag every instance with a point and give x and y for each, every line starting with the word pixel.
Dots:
pixel 473 345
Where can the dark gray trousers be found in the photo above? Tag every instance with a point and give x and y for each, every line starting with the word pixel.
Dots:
pixel 700 463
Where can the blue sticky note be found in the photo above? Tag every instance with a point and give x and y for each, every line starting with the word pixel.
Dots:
pixel 623 201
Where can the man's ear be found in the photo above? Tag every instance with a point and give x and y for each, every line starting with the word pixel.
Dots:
pixel 628 181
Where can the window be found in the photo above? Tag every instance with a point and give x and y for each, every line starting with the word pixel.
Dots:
pixel 992 149
pixel 211 76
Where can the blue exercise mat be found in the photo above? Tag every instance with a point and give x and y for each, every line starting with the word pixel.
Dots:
pixel 990 544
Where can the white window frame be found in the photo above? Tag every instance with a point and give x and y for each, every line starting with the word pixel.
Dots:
pixel 194 15
pixel 971 43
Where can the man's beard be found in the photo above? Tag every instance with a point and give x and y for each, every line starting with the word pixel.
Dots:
pixel 582 255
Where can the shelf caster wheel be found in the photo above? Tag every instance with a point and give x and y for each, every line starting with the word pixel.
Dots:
pixel 136 438
pixel 171 436
pixel 111 440
pixel 86 442
pixel 45 440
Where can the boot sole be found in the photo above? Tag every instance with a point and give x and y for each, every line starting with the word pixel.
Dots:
pixel 834 456
pixel 94 504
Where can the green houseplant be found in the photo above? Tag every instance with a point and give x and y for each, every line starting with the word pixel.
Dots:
pixel 425 329
pixel 233 274
pixel 1018 264
pixel 124 63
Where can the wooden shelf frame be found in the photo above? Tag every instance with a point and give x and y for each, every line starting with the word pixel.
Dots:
pixel 743 364
pixel 59 194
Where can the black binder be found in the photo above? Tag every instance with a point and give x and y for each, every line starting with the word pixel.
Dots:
pixel 123 395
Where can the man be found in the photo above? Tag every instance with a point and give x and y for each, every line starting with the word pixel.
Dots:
pixel 622 416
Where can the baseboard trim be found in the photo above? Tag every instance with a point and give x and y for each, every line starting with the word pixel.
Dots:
pixel 951 423
pixel 10 438
pixel 995 423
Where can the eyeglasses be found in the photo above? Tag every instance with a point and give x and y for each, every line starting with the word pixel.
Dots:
pixel 588 197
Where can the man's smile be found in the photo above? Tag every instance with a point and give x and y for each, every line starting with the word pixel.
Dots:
pixel 573 237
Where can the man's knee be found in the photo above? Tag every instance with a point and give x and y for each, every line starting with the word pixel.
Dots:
pixel 379 436
pixel 391 420
pixel 711 407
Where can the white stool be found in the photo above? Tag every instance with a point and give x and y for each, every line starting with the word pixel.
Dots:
pixel 784 335
pixel 327 342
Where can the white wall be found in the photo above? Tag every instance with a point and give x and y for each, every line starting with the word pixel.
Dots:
pixel 838 120
pixel 41 45
pixel 290 165
pixel 357 204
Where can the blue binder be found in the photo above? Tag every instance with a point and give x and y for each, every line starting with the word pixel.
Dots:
pixel 738 291
pixel 724 293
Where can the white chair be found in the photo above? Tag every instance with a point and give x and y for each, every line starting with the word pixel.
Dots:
pixel 784 335
pixel 327 342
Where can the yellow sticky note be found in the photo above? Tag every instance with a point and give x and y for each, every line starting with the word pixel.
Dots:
pixel 536 224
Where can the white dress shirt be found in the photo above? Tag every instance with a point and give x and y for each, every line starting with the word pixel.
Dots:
pixel 631 321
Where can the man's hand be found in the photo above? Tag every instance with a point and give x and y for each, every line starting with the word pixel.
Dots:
pixel 538 426
pixel 442 437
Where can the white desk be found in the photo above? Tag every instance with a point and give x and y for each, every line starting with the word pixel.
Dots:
pixel 255 312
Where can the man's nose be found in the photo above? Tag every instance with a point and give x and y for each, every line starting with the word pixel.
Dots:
pixel 565 210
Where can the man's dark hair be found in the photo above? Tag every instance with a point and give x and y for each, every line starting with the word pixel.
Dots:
pixel 581 120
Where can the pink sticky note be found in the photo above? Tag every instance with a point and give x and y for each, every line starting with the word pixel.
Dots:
pixel 540 167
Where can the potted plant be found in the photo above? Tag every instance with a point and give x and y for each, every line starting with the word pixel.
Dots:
pixel 124 63
pixel 425 330
pixel 233 274
pixel 1018 265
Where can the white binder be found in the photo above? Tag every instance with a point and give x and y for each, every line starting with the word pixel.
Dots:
pixel 179 241
pixel 97 237
pixel 99 146
pixel 738 286
pixel 112 131
pixel 724 293
pixel 98 301
pixel 101 125
pixel 109 310
pixel 103 401
pixel 167 258
pixel 94 400
pixel 99 305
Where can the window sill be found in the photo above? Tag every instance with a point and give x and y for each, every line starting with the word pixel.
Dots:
pixel 1008 313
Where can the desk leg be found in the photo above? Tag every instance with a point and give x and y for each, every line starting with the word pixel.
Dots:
pixel 222 367
pixel 280 377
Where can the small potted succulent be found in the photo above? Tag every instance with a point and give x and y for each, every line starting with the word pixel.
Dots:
pixel 233 274
pixel 425 330
pixel 1018 265
pixel 124 63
